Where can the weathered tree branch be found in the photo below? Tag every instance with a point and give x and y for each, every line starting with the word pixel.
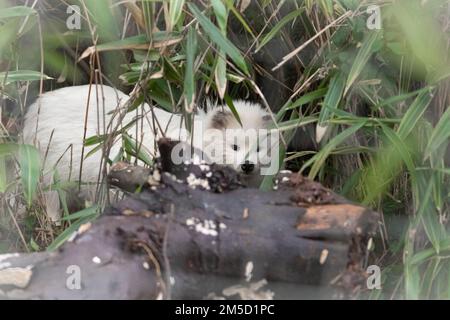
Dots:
pixel 195 232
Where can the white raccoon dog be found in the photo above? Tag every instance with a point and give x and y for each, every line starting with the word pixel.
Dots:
pixel 57 124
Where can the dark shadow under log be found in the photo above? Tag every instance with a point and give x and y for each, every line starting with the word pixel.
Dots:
pixel 194 232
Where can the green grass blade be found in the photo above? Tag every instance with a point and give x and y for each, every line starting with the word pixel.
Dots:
pixel 230 105
pixel 85 213
pixel 67 233
pixel 229 4
pixel 30 167
pixel 175 10
pixel 267 183
pixel 333 97
pixel 22 75
pixel 14 12
pixel 399 98
pixel 440 136
pixel 319 159
pixel 220 75
pixel 189 80
pixel 428 217
pixel 135 149
pixel 220 72
pixel 3 174
pixel 159 39
pixel 273 32
pixel 221 15
pixel 363 56
pixel 400 146
pixel 412 282
pixel 307 98
pixel 414 114
pixel 295 123
pixel 217 37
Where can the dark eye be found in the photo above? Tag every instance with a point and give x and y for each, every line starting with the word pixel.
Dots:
pixel 235 147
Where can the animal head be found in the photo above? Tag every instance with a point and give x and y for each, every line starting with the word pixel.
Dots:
pixel 240 145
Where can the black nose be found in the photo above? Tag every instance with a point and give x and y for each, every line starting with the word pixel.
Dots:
pixel 247 167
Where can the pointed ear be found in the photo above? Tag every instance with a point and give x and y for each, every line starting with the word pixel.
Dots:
pixel 267 120
pixel 220 119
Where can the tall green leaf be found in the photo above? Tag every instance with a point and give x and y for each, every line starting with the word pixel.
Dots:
pixel 189 80
pixel 220 72
pixel 14 12
pixel 22 75
pixel 230 6
pixel 175 10
pixel 3 173
pixel 217 37
pixel 414 114
pixel 440 136
pixel 319 159
pixel 400 146
pixel 427 213
pixel 364 54
pixel 30 166
pixel 67 233
pixel 332 98
pixel 273 32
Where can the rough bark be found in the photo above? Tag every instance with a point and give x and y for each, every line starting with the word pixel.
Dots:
pixel 195 232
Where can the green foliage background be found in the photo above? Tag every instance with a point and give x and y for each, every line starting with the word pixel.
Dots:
pixel 381 95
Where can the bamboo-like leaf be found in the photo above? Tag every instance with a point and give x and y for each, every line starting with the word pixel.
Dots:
pixel 189 79
pixel 273 32
pixel 295 123
pixel 3 174
pixel 34 245
pixel 440 136
pixel 220 72
pixel 399 145
pixel 220 75
pixel 319 159
pixel 175 10
pixel 87 212
pixel 221 14
pixel 159 39
pixel 412 282
pixel 326 6
pixel 332 98
pixel 7 149
pixel 267 183
pixel 8 31
pixel 364 54
pixel 30 167
pixel 414 114
pixel 19 11
pixel 217 37
pixel 230 6
pixel 230 105
pixel 66 234
pixel 423 255
pixel 402 97
pixel 305 99
pixel 22 75
pixel 429 216
pixel 135 148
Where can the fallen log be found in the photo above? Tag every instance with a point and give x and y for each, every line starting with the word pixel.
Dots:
pixel 195 232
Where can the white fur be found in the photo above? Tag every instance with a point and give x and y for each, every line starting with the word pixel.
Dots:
pixel 63 112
